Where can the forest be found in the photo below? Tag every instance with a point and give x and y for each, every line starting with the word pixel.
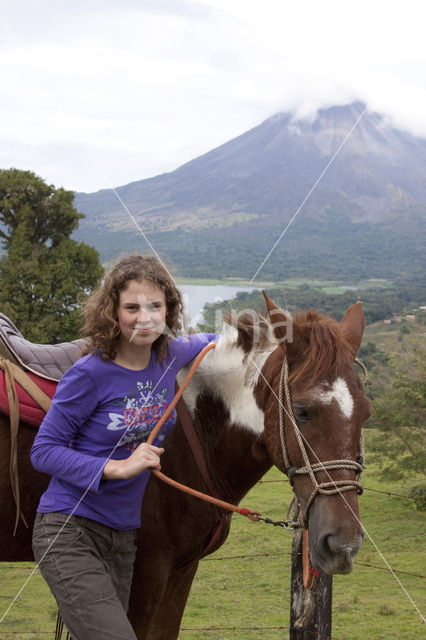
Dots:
pixel 380 303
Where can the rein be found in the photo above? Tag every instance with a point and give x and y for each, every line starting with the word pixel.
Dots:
pixel 255 516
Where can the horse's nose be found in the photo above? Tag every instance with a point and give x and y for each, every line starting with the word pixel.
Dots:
pixel 342 550
pixel 335 544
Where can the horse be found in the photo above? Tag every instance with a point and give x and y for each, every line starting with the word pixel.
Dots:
pixel 245 423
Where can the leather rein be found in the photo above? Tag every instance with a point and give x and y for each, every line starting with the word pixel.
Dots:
pixel 248 513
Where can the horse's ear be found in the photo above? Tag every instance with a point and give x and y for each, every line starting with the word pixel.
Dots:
pixel 352 326
pixel 282 325
pixel 271 306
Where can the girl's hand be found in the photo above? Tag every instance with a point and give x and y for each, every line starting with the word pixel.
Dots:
pixel 146 456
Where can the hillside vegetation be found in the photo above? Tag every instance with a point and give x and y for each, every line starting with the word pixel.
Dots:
pixel 333 246
pixel 379 302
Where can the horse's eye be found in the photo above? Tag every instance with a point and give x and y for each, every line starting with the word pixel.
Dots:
pixel 301 413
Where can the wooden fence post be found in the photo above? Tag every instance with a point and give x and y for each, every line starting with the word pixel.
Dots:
pixel 310 610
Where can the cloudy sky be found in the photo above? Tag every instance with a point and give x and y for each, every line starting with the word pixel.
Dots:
pixel 100 93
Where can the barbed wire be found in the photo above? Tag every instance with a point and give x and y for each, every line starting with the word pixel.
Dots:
pixel 278 554
pixel 413 535
pixel 285 553
pixel 279 628
pixel 388 493
pixel 251 555
pixel 375 566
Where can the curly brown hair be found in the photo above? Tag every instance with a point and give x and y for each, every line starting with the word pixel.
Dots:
pixel 101 328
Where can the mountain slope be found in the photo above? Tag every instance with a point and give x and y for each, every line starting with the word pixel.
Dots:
pixel 232 203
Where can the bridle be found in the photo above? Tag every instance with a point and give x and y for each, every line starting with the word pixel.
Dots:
pixel 326 488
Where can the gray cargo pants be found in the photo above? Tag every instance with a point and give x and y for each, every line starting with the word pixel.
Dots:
pixel 88 567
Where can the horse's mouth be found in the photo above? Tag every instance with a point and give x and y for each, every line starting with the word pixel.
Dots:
pixel 340 562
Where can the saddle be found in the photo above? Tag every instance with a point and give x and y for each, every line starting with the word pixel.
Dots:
pixel 29 374
pixel 49 361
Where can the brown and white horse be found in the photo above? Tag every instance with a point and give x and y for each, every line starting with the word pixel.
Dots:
pixel 234 402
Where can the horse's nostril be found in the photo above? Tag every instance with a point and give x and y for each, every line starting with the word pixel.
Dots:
pixel 332 545
pixel 325 544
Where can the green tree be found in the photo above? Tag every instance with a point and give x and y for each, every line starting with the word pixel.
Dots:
pixel 400 415
pixel 44 273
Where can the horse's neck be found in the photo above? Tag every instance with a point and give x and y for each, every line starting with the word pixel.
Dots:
pixel 229 374
pixel 236 457
pixel 220 398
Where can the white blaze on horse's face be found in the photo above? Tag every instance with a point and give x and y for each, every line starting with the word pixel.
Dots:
pixel 339 391
pixel 232 375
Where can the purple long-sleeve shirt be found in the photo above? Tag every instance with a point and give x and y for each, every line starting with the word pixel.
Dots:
pixel 102 410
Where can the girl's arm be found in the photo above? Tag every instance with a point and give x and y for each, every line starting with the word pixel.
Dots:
pixel 74 401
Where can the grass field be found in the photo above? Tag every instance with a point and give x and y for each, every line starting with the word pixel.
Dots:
pixel 367 604
pixel 242 598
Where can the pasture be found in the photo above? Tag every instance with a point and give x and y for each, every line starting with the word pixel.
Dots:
pixel 243 590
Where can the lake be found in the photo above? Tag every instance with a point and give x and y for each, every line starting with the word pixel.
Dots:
pixel 195 297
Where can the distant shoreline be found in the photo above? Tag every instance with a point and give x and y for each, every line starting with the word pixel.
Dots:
pixel 329 286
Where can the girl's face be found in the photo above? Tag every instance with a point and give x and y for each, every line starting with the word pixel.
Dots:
pixel 141 313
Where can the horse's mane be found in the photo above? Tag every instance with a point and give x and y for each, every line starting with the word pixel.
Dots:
pixel 253 331
pixel 319 346
pixel 323 348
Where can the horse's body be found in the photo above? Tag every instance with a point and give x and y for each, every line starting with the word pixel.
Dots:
pixel 233 402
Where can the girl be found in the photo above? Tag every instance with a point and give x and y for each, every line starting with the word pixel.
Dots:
pixel 92 443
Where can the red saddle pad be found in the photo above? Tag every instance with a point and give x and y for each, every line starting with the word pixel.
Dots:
pixel 29 411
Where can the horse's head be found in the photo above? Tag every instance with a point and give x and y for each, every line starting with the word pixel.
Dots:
pixel 323 409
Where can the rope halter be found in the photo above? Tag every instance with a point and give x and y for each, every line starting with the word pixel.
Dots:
pixel 326 488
